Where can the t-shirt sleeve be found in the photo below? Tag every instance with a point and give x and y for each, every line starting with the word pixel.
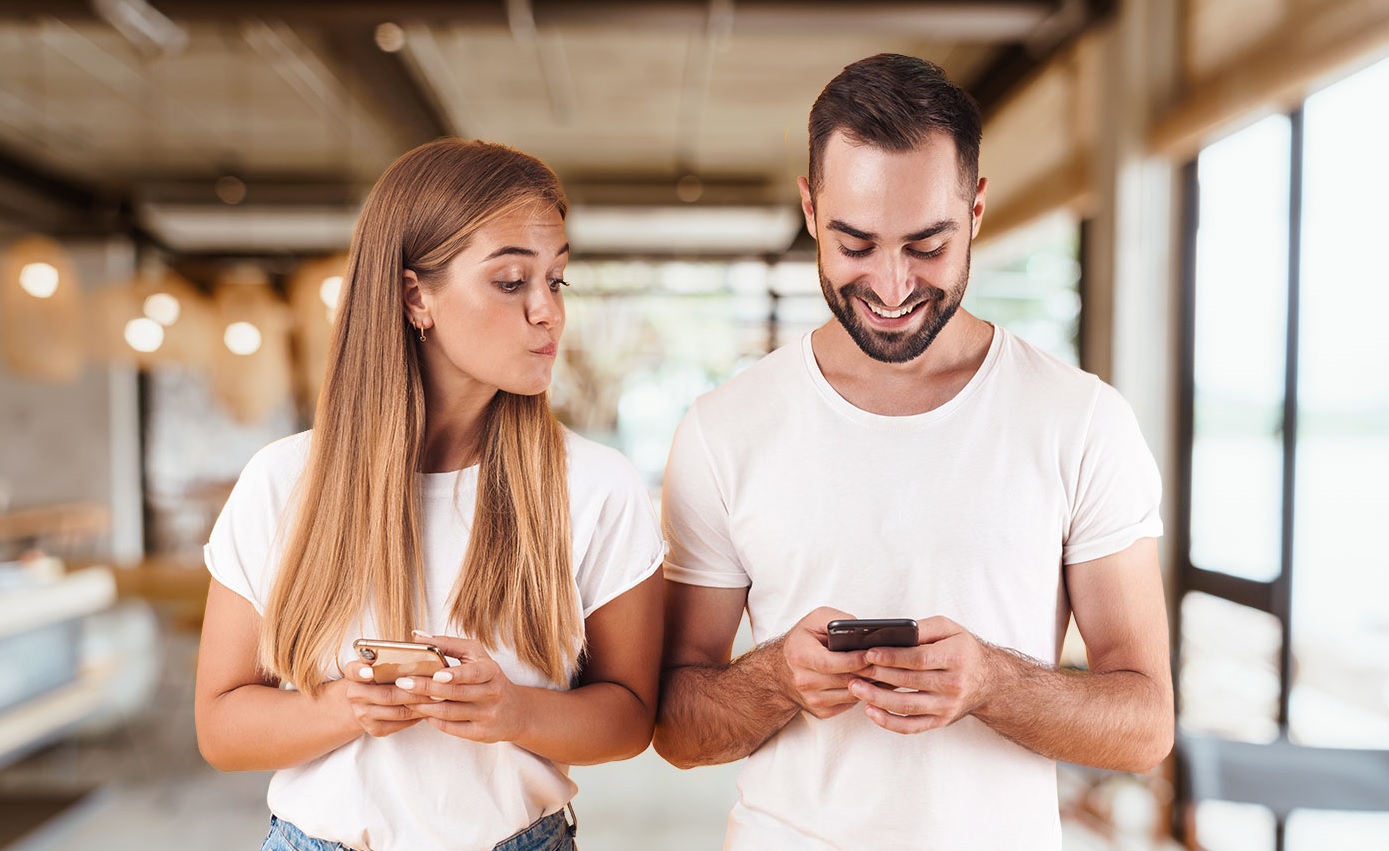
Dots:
pixel 241 550
pixel 1118 489
pixel 694 513
pixel 626 546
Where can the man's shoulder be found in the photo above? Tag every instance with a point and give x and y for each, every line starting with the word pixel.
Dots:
pixel 1055 392
pixel 1044 373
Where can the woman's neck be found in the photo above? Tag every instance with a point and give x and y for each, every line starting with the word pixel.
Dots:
pixel 453 425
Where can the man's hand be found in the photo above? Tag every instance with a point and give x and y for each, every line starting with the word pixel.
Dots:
pixel 819 677
pixel 948 673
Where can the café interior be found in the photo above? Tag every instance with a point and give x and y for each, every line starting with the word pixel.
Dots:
pixel 1185 199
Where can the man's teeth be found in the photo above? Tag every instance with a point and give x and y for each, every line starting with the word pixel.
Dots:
pixel 891 314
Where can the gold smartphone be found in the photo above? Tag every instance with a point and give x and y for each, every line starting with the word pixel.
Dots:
pixel 391 660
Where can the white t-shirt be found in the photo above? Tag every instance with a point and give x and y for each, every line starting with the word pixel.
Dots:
pixel 776 483
pixel 421 789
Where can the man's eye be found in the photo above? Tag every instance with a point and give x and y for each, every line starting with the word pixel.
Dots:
pixel 926 255
pixel 855 252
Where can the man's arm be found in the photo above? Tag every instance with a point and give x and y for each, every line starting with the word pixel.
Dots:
pixel 713 710
pixel 1117 715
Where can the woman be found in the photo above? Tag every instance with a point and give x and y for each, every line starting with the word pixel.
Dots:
pixel 436 495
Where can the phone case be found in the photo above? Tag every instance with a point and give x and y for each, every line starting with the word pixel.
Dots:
pixel 391 660
pixel 873 632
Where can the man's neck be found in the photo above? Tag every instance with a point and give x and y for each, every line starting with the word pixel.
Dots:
pixel 902 389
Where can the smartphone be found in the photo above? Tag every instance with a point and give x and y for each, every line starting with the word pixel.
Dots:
pixel 871 632
pixel 391 660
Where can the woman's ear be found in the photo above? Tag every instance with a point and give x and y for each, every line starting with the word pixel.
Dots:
pixel 415 300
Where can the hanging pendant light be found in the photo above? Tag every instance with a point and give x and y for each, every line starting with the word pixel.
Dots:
pixel 251 368
pixel 158 318
pixel 41 311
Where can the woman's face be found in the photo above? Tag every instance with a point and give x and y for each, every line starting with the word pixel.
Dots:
pixel 493 316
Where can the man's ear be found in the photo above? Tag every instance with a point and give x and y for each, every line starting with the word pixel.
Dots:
pixel 415 300
pixel 807 204
pixel 979 194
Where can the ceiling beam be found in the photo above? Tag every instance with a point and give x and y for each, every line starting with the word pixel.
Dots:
pixel 33 197
pixel 943 20
pixel 1017 62
pixel 384 82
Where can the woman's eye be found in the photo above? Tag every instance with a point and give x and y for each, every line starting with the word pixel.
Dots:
pixel 556 283
pixel 855 252
pixel 510 286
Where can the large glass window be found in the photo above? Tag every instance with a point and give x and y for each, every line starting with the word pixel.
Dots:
pixel 1241 317
pixel 1284 608
pixel 1340 595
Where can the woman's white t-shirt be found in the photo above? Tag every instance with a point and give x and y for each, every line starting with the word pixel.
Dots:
pixel 422 789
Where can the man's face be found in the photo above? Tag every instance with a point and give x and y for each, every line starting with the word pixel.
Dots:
pixel 893 241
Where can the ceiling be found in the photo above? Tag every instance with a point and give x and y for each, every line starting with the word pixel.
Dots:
pixel 255 128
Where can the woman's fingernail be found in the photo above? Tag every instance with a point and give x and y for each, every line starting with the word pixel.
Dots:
pixel 405 683
pixel 364 673
pixel 443 676
pixel 421 633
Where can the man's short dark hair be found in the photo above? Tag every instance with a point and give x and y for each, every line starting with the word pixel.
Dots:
pixel 894 102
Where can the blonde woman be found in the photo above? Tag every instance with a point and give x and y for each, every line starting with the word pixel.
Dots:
pixel 435 496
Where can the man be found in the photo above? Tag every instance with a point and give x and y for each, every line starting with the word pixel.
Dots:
pixel 908 459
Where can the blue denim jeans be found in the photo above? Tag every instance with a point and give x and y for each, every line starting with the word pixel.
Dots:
pixel 551 833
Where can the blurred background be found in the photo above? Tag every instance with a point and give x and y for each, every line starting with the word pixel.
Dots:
pixel 1186 198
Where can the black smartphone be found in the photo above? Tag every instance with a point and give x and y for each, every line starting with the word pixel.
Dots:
pixel 860 634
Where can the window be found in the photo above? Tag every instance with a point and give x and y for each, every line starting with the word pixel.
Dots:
pixel 1284 610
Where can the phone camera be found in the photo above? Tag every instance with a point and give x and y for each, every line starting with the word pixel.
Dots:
pixel 368 654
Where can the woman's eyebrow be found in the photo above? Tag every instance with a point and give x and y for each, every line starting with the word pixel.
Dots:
pixel 523 252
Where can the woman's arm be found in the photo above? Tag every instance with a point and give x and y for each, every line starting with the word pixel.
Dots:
pixel 246 723
pixel 608 716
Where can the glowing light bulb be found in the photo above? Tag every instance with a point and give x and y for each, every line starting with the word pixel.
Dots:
pixel 162 308
pixel 329 291
pixel 144 334
pixel 390 37
pixel 242 338
pixel 39 280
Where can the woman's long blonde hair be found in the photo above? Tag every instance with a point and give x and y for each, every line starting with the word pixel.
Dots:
pixel 355 540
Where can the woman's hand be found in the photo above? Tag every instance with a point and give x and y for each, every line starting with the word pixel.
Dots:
pixel 471 700
pixel 380 709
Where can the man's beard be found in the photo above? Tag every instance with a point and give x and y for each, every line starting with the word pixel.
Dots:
pixel 894 346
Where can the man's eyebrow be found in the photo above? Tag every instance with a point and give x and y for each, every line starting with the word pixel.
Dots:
pixel 836 224
pixel 523 252
pixel 946 226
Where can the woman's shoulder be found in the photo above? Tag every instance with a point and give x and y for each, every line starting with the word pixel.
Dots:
pixel 280 461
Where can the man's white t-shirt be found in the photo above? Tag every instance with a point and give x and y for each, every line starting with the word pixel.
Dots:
pixel 778 484
pixel 421 789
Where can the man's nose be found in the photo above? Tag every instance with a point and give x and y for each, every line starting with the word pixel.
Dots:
pixel 896 281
